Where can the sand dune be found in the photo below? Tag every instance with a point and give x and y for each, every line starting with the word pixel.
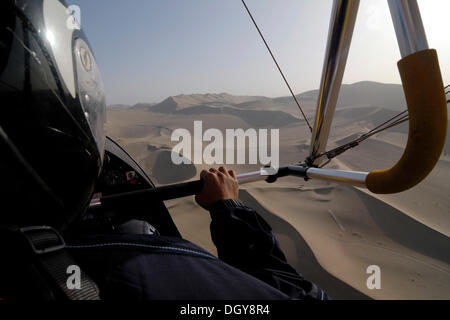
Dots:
pixel 299 253
pixel 181 102
pixel 429 202
pixel 346 240
pixel 333 244
pixel 364 94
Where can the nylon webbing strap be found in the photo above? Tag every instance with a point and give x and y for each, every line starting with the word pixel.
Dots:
pixel 50 254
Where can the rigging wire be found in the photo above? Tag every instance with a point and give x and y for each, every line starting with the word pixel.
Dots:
pixel 404 113
pixel 278 66
pixel 392 122
pixel 331 154
pixel 447 92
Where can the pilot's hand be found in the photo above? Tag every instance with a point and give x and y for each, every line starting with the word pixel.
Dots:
pixel 217 185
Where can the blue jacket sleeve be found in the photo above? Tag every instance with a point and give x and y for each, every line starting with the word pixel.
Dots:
pixel 246 241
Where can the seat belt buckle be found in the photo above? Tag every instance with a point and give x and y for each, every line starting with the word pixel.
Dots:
pixel 43 239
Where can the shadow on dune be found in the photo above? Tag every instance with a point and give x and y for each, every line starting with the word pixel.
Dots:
pixel 412 234
pixel 307 265
pixel 165 171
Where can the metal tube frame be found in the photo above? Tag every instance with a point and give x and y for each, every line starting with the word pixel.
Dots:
pixel 411 38
pixel 353 178
pixel 408 26
pixel 342 176
pixel 251 177
pixel 342 25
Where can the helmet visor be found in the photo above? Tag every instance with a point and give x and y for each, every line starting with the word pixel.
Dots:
pixel 91 92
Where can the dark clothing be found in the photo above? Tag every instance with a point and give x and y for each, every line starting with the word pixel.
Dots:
pixel 251 264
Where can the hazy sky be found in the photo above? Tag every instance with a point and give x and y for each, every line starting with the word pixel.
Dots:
pixel 148 50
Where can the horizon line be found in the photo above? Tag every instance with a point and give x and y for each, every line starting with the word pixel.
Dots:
pixel 243 95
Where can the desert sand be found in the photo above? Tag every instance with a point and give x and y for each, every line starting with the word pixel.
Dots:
pixel 330 233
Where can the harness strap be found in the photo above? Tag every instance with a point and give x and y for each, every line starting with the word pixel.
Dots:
pixel 58 266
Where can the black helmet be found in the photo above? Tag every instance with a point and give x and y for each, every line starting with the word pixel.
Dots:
pixel 52 112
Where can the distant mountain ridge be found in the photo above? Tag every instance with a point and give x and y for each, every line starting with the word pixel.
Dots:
pixel 361 94
pixel 118 106
pixel 364 94
pixel 137 106
pixel 367 101
pixel 260 111
pixel 180 102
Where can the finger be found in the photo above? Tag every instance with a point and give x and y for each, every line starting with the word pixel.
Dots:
pixel 203 174
pixel 224 171
pixel 232 174
pixel 206 175
pixel 213 170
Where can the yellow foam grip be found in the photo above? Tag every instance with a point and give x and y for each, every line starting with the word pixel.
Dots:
pixel 427 105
